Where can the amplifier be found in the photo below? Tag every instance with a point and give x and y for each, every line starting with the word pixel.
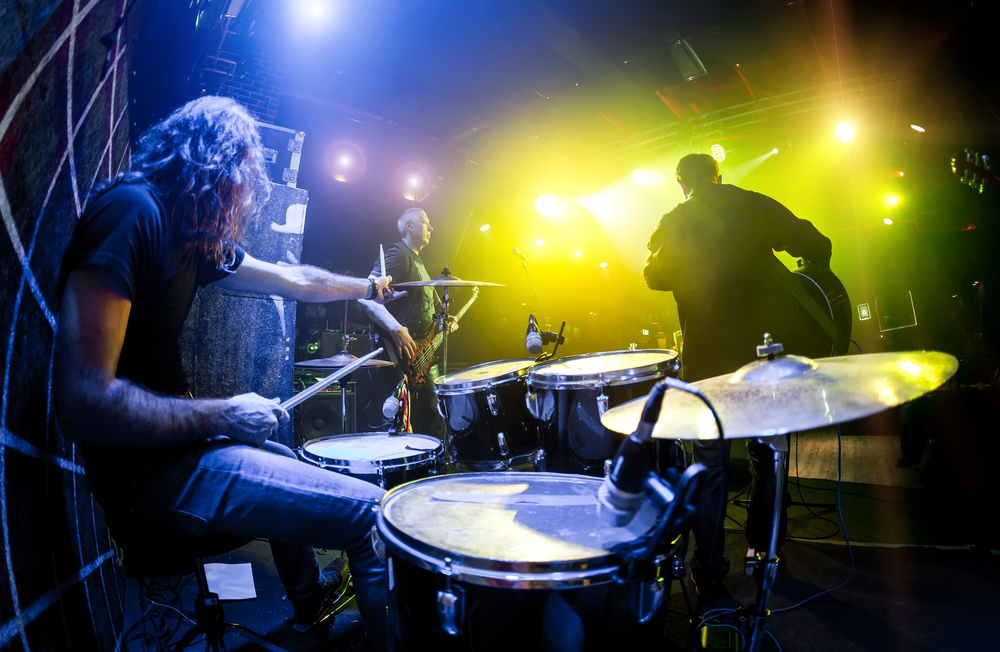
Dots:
pixel 320 415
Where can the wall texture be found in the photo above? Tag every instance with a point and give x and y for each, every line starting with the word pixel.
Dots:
pixel 63 126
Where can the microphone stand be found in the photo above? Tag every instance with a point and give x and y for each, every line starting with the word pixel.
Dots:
pixel 531 280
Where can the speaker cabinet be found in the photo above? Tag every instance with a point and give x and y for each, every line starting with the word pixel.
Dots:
pixel 321 416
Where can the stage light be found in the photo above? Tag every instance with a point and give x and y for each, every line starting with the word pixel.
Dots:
pixel 539 242
pixel 899 173
pixel 887 220
pixel 413 181
pixel 648 178
pixel 604 264
pixel 774 151
pixel 890 200
pixel 845 132
pixel 345 161
pixel 577 254
pixel 718 153
pixel 485 227
pixel 549 206
pixel 917 128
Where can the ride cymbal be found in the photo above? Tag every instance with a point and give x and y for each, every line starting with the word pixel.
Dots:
pixel 446 281
pixel 792 393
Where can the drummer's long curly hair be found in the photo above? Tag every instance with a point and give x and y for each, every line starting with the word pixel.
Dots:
pixel 206 163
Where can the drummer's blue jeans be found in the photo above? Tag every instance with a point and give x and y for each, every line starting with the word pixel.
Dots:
pixel 229 487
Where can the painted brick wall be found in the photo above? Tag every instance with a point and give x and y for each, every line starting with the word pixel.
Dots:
pixel 63 126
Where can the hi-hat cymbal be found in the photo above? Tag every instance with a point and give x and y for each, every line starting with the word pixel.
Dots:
pixel 339 361
pixel 446 281
pixel 792 393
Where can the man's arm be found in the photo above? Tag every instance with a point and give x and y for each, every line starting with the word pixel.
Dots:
pixel 796 236
pixel 301 282
pixel 405 345
pixel 95 407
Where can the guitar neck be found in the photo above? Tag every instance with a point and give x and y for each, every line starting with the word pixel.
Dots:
pixel 439 338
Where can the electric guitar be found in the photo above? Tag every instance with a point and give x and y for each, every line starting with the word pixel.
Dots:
pixel 825 298
pixel 416 369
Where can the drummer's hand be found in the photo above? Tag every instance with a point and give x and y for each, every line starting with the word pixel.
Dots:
pixel 250 418
pixel 385 293
pixel 407 347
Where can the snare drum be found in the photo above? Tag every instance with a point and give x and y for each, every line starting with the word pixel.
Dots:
pixel 376 457
pixel 487 423
pixel 511 561
pixel 570 395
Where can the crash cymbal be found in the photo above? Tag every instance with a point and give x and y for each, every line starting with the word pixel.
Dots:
pixel 446 281
pixel 338 361
pixel 792 393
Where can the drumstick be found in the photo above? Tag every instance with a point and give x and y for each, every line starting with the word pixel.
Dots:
pixel 329 380
pixel 381 259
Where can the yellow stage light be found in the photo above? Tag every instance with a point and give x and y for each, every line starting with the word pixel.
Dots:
pixel 548 206
pixel 641 177
pixel 917 128
pixel 887 220
pixel 890 200
pixel 718 153
pixel 774 151
pixel 577 254
pixel 539 242
pixel 485 227
pixel 845 132
pixel 604 264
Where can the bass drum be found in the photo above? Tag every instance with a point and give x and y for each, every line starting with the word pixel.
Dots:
pixel 488 426
pixel 570 395
pixel 376 457
pixel 512 561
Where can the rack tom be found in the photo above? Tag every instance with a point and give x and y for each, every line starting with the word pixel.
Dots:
pixel 568 397
pixel 512 561
pixel 487 424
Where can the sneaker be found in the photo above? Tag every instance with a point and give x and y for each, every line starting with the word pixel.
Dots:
pixel 326 600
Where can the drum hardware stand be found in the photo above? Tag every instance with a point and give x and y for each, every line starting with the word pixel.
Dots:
pixel 345 339
pixel 758 614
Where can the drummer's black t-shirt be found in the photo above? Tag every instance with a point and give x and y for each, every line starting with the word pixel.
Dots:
pixel 415 311
pixel 127 231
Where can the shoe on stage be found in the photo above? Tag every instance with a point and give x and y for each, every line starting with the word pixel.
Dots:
pixel 327 600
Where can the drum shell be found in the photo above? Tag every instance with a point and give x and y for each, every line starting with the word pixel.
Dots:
pixel 596 617
pixel 568 414
pixel 386 473
pixel 510 603
pixel 471 426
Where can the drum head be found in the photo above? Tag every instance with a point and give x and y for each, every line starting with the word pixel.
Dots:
pixel 363 449
pixel 483 375
pixel 610 368
pixel 508 529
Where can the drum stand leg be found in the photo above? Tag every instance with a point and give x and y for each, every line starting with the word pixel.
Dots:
pixel 758 614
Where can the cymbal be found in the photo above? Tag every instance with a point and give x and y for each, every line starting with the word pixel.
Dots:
pixel 446 281
pixel 792 393
pixel 338 361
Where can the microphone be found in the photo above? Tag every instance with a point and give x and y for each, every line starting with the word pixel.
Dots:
pixel 517 252
pixel 391 405
pixel 532 338
pixel 620 496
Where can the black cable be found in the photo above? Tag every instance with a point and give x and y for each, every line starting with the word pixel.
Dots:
pixel 803 500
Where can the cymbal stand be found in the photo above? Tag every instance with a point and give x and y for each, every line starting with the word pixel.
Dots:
pixel 444 327
pixel 758 614
pixel 345 339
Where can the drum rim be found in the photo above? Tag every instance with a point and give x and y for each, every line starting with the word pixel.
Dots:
pixel 498 573
pixel 443 388
pixel 369 466
pixel 604 378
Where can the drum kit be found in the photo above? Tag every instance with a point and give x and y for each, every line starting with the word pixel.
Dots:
pixel 500 537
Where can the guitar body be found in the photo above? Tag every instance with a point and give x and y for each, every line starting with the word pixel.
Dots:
pixel 830 295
